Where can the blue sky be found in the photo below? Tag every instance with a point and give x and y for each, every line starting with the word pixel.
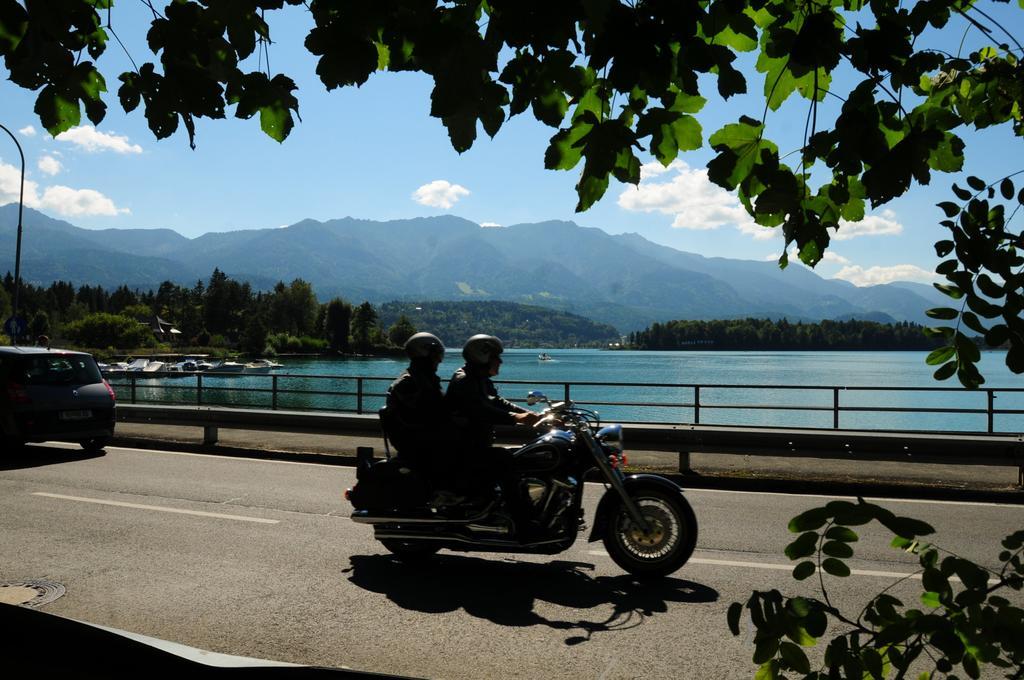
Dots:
pixel 375 153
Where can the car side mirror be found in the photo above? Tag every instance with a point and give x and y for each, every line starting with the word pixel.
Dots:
pixel 534 396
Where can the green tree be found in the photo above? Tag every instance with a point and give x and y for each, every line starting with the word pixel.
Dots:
pixel 254 337
pixel 400 331
pixel 39 325
pixel 336 324
pixel 613 77
pixel 964 626
pixel 109 330
pixel 364 326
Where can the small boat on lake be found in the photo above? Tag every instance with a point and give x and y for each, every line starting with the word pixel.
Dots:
pixel 544 356
pixel 226 367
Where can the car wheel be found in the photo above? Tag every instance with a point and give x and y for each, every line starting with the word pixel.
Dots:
pixel 94 445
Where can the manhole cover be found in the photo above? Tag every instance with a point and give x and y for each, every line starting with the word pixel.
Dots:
pixel 33 593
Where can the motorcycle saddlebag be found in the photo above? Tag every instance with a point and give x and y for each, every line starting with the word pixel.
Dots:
pixel 387 484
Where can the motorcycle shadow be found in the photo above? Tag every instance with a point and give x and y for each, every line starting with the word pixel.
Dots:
pixel 505 591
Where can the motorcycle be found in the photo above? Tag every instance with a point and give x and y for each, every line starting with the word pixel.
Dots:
pixel 645 522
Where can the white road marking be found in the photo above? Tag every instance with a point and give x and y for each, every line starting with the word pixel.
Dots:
pixel 978 504
pixel 158 508
pixel 925 501
pixel 777 567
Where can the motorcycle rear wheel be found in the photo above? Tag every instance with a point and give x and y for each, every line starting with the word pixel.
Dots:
pixel 665 548
pixel 409 551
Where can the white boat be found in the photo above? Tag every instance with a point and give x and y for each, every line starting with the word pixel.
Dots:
pixel 137 365
pixel 186 366
pixel 226 367
pixel 261 366
pixel 117 367
pixel 153 367
pixel 544 356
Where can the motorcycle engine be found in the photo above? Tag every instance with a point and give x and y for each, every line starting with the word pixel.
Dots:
pixel 536 490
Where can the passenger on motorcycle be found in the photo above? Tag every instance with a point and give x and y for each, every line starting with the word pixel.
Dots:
pixel 416 419
pixel 476 408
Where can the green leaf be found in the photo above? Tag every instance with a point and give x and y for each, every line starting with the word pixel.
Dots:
pixel 804 570
pixel 740 147
pixel 809 520
pixel 765 649
pixel 951 209
pixel 795 657
pixel 564 151
pixel 768 671
pixel 835 567
pixel 1006 188
pixel 940 355
pixel 804 546
pixel 13 24
pixel 944 313
pixel 844 534
pixel 931 600
pixel 57 112
pixel 590 189
pixel 837 549
pixel 873 663
pixel 976 183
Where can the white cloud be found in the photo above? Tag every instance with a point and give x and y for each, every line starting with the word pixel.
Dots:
pixel 440 194
pixel 829 256
pixel 90 139
pixel 872 225
pixel 873 276
pixel 58 199
pixel 49 165
pixel 489 224
pixel 694 200
pixel 28 131
pixel 10 186
pixel 75 202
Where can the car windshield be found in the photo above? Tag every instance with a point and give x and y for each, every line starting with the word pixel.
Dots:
pixel 57 369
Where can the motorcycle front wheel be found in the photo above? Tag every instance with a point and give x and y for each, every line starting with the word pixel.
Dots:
pixel 665 547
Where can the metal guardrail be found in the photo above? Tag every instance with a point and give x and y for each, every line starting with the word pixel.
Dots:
pixel 361 398
pixel 912 447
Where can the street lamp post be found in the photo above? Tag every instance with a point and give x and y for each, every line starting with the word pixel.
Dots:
pixel 17 252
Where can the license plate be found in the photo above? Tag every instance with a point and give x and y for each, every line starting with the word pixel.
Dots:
pixel 82 414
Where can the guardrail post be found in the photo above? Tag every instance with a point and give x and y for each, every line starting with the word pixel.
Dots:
pixel 132 378
pixel 696 420
pixel 273 392
pixel 684 463
pixel 209 434
pixel 199 389
pixel 566 392
pixel 359 395
pixel 991 409
pixel 835 408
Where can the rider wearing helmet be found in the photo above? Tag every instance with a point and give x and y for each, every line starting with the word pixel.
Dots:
pixel 416 417
pixel 474 401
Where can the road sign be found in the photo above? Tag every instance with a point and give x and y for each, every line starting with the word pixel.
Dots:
pixel 15 326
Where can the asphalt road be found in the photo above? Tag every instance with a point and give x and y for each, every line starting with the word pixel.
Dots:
pixel 258 558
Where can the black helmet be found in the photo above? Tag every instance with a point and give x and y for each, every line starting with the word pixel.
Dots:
pixel 480 349
pixel 424 345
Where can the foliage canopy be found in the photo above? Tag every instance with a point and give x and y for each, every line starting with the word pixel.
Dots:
pixel 614 77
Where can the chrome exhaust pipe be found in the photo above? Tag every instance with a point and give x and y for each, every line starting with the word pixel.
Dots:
pixel 382 519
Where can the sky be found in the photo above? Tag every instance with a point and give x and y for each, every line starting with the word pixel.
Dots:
pixel 375 153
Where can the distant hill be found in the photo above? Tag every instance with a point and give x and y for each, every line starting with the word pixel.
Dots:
pixel 515 324
pixel 625 281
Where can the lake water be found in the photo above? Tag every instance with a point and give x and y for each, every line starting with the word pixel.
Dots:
pixel 730 381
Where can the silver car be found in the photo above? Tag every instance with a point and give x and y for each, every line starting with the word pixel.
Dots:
pixel 53 394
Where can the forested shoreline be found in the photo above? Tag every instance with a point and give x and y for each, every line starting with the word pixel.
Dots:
pixel 229 316
pixel 766 334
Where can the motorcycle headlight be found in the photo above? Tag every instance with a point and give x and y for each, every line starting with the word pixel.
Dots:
pixel 611 437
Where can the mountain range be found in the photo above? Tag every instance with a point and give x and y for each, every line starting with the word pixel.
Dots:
pixel 625 280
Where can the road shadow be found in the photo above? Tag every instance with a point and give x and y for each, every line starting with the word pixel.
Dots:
pixel 505 591
pixel 31 456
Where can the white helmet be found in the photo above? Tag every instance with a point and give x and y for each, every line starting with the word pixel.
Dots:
pixel 480 349
pixel 423 345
